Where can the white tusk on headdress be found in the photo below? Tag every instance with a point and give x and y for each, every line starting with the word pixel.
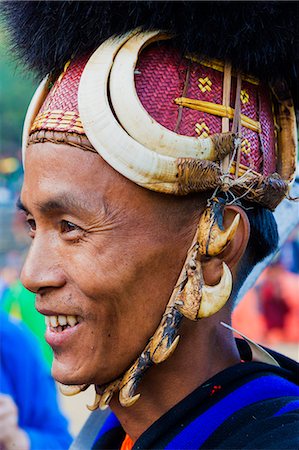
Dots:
pixel 133 116
pixel 120 150
pixel 137 162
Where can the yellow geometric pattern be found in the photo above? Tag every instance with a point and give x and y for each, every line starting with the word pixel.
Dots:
pixel 244 96
pixel 58 120
pixel 217 110
pixel 245 146
pixel 202 130
pixel 205 84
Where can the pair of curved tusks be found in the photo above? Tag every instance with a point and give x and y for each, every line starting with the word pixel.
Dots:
pixel 149 154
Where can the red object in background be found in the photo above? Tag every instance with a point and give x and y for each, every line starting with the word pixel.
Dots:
pixel 269 312
pixel 273 303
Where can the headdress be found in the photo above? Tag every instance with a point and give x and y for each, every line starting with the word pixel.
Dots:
pixel 205 104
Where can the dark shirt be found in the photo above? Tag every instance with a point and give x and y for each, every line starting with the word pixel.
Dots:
pixel 251 405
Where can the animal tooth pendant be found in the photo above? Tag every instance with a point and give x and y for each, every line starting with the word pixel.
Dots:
pixel 107 393
pixel 166 339
pixel 211 235
pixel 70 390
pixel 197 300
pixel 213 298
pixel 159 348
pixel 96 403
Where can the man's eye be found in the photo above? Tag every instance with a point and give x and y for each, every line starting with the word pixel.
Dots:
pixel 31 225
pixel 67 227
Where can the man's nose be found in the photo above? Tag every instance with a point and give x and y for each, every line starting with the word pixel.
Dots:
pixel 41 268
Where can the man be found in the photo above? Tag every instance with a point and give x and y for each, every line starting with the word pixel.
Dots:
pixel 150 173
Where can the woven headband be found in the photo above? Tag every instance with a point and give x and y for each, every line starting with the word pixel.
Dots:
pixel 169 123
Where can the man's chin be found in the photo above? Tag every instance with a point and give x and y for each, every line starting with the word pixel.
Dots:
pixel 69 375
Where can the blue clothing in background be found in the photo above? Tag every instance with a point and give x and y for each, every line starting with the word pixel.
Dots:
pixel 25 377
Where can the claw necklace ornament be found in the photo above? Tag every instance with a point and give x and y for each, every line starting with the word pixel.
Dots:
pixel 191 298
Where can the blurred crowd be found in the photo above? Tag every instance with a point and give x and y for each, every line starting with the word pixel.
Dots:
pixel 269 312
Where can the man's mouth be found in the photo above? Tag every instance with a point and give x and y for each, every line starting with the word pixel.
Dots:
pixel 60 323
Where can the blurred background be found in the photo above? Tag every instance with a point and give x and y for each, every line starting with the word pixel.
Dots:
pixel 268 313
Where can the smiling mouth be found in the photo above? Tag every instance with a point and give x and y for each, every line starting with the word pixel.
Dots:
pixel 60 323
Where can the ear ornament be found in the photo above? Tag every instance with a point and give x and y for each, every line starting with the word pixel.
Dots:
pixel 198 300
pixel 211 236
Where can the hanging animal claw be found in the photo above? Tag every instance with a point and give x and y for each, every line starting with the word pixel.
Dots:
pixel 198 300
pixel 212 237
pixel 126 400
pixel 163 352
pixel 213 298
pixel 96 403
pixel 107 395
pixel 188 300
pixel 105 399
pixel 70 390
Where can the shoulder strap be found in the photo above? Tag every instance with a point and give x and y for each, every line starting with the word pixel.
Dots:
pixel 90 430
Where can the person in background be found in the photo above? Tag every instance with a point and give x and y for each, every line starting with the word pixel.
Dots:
pixel 29 413
pixel 269 312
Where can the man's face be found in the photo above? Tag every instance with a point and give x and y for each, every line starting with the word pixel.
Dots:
pixel 103 250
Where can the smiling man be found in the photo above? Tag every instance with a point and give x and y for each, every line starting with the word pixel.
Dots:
pixel 153 160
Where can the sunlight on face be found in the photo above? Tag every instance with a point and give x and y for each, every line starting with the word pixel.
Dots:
pixel 102 252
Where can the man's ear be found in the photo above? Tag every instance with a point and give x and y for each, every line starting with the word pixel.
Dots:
pixel 232 254
pixel 236 248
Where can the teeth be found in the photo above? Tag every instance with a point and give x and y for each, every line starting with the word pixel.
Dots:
pixel 61 321
pixel 72 320
pixel 54 321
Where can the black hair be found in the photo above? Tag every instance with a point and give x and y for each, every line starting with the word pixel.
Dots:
pixel 263 241
pixel 258 37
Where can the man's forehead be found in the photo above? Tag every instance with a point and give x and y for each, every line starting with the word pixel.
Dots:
pixel 60 157
pixel 59 167
pixel 59 177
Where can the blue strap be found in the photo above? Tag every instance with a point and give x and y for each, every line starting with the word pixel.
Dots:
pixel 110 422
pixel 264 388
pixel 291 406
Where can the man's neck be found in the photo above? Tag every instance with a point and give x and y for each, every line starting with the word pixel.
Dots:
pixel 202 352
